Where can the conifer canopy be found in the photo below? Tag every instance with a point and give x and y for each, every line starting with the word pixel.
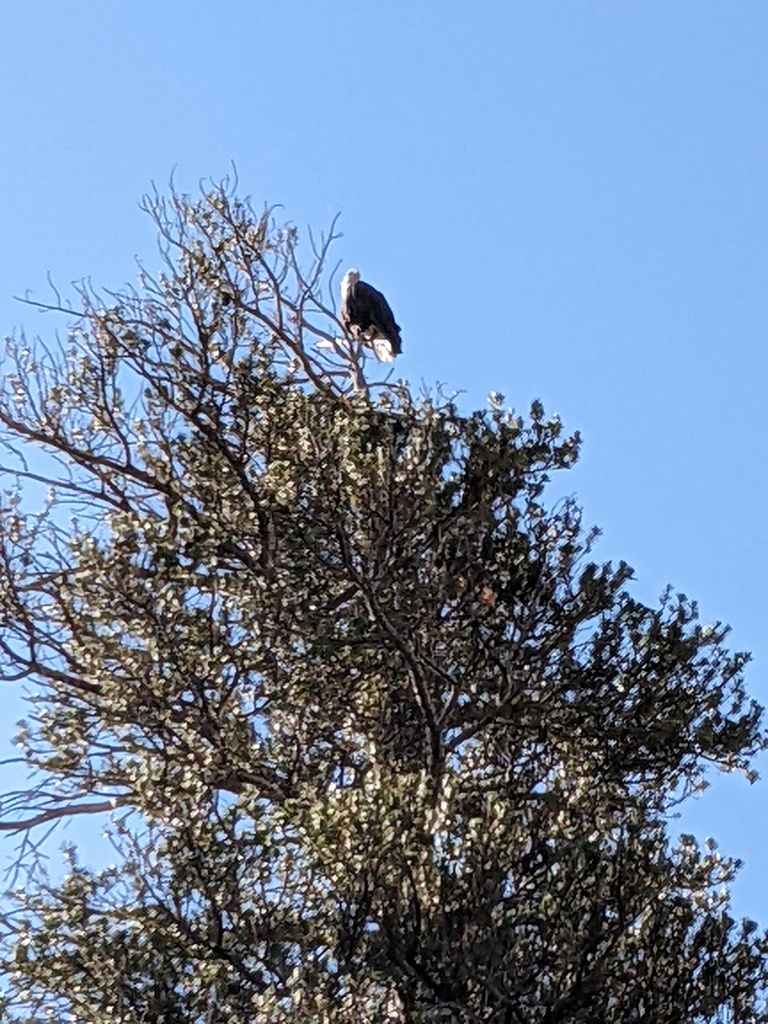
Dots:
pixel 374 737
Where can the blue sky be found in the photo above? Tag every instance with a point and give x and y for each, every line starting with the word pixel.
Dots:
pixel 561 200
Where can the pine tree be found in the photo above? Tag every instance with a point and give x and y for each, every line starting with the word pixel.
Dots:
pixel 376 739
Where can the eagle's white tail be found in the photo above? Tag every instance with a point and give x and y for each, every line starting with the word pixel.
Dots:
pixel 382 349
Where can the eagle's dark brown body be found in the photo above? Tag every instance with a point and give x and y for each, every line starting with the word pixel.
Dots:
pixel 365 312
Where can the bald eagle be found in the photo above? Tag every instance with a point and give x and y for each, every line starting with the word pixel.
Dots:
pixel 366 314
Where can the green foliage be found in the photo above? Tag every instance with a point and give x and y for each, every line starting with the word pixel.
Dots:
pixel 378 741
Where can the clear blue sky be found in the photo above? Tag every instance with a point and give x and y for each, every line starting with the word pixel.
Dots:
pixel 561 200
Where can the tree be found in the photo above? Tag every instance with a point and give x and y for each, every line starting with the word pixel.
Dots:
pixel 377 740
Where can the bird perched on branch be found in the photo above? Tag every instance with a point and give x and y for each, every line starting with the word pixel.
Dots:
pixel 365 313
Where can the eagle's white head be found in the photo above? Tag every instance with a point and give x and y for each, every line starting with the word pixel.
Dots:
pixel 350 279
